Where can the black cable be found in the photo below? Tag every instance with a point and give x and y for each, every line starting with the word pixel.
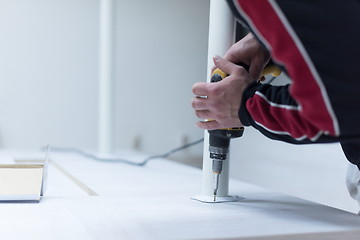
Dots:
pixel 119 160
pixel 271 79
pixel 164 155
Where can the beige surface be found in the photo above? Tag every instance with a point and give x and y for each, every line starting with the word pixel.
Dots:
pixel 20 180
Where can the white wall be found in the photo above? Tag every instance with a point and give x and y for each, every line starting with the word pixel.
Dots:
pixel 159 58
pixel 49 72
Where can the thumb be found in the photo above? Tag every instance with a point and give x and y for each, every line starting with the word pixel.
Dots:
pixel 224 65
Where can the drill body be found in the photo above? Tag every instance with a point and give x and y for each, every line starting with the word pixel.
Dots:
pixel 219 141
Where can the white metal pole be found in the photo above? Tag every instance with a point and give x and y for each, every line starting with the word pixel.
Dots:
pixel 106 78
pixel 221 37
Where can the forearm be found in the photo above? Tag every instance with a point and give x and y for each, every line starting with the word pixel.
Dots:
pixel 273 111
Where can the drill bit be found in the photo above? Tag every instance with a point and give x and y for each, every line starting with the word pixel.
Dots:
pixel 216 168
pixel 216 184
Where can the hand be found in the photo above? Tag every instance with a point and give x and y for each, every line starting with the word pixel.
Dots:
pixel 222 101
pixel 250 52
pixel 353 182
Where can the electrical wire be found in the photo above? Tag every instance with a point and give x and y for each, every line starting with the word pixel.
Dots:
pixel 121 160
pixel 271 79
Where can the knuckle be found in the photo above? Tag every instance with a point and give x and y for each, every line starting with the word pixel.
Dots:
pixel 218 108
pixel 240 70
pixel 215 90
pixel 194 88
pixel 193 103
pixel 202 125
pixel 198 114
pixel 201 114
pixel 205 125
pixel 213 125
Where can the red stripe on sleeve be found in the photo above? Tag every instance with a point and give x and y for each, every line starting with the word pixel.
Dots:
pixel 306 88
pixel 280 120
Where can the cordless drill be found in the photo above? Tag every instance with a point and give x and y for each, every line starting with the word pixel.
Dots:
pixel 219 139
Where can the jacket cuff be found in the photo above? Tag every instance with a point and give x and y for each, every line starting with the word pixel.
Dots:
pixel 244 115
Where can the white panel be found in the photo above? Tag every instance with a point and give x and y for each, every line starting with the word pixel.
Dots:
pixel 161 53
pixel 48 73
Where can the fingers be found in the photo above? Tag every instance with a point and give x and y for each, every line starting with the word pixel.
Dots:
pixel 255 71
pixel 200 89
pixel 200 106
pixel 227 66
pixel 208 125
pixel 199 103
pixel 220 101
pixel 256 67
pixel 204 114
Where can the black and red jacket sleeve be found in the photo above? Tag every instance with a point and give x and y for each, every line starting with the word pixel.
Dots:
pixel 317 43
pixel 273 111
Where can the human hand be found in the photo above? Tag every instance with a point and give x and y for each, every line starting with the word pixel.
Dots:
pixel 250 52
pixel 353 182
pixel 220 101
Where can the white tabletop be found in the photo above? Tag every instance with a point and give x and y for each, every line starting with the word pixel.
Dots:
pixel 87 199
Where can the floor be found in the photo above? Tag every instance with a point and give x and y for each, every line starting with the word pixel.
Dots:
pixel 312 172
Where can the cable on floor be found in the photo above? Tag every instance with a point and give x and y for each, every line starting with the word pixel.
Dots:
pixel 121 160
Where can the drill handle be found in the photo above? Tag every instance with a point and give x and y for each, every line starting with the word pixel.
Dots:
pixel 219 75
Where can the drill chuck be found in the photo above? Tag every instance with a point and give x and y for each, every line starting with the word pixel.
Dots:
pixel 217 165
pixel 219 146
pixel 219 141
pixel 218 153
